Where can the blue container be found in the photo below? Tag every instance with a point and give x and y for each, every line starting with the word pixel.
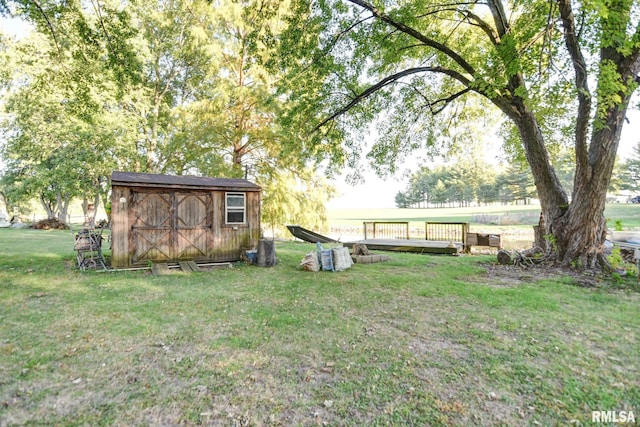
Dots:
pixel 252 256
pixel 327 260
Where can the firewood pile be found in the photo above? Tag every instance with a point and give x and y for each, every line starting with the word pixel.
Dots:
pixel 524 258
pixel 628 255
pixel 50 224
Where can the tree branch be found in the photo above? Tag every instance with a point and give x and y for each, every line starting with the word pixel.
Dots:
pixel 471 18
pixel 488 30
pixel 499 16
pixel 582 85
pixel 390 80
pixel 49 25
pixel 446 101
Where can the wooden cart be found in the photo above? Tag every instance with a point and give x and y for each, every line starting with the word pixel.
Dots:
pixel 88 244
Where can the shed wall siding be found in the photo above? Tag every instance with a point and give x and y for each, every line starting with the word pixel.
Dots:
pixel 169 224
pixel 120 227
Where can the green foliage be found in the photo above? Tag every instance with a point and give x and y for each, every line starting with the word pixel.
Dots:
pixel 623 270
pixel 180 87
pixel 352 49
pixel 617 225
pixel 615 258
pixel 62 135
pixel 295 198
pixel 610 89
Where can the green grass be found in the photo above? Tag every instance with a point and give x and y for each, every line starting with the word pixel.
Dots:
pixel 418 340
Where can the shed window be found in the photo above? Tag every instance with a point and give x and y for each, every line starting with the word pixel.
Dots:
pixel 235 208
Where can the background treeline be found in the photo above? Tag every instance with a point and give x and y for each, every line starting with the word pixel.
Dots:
pixel 474 182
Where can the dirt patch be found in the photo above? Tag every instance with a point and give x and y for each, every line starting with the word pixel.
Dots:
pixel 511 276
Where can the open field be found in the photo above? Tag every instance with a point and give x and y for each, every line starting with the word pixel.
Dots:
pixel 418 340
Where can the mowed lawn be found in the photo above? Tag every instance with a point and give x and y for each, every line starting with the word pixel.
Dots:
pixel 418 340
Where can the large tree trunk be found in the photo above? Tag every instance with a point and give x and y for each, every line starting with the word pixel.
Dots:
pixel 582 233
pixel 554 202
pixel 48 207
pixel 573 232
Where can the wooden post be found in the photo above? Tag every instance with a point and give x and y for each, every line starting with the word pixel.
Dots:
pixel 266 253
pixel 465 229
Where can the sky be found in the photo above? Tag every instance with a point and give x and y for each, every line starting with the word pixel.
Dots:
pixel 13 26
pixel 376 192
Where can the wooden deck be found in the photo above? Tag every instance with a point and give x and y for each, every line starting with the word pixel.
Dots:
pixel 409 245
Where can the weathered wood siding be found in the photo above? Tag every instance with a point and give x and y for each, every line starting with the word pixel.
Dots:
pixel 120 201
pixel 172 224
pixel 230 240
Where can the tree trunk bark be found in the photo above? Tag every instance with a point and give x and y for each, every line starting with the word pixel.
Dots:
pixel 582 234
pixel 47 208
pixel 63 207
pixel 553 199
pixel 266 256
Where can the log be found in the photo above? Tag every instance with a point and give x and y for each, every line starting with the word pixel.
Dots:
pixel 360 249
pixel 504 257
pixel 266 256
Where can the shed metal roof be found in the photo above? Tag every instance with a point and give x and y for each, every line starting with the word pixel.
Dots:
pixel 184 181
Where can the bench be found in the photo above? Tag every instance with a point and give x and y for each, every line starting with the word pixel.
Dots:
pixel 478 239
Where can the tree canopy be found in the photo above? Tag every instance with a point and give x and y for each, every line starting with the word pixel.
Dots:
pixel 173 87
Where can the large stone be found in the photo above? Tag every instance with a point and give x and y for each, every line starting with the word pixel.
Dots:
pixel 4 218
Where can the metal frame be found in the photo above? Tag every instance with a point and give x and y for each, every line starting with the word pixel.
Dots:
pixel 88 244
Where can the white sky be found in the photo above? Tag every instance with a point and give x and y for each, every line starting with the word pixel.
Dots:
pixel 14 27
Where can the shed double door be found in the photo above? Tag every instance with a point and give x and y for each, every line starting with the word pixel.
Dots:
pixel 171 225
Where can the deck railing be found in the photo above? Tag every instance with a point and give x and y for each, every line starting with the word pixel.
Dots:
pixel 386 230
pixel 447 231
pixel 439 231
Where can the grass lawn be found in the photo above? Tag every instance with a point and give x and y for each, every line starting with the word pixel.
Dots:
pixel 418 340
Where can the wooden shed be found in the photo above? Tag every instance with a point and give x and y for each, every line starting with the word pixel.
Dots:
pixel 174 218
